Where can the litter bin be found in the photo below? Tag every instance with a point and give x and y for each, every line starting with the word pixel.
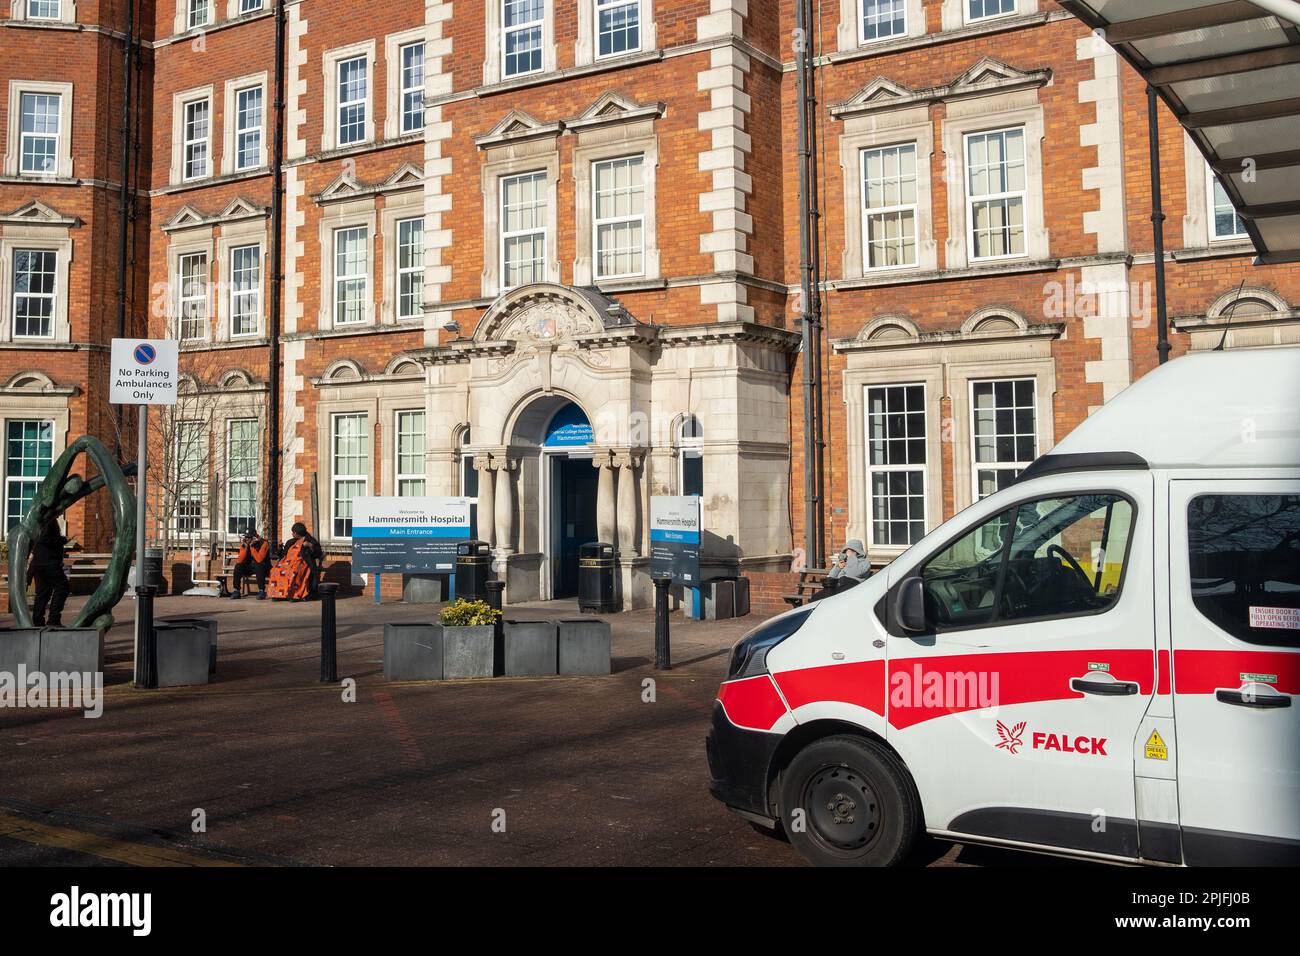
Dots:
pixel 596 578
pixel 472 569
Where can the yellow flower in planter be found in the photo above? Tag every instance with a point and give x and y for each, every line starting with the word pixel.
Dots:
pixel 462 613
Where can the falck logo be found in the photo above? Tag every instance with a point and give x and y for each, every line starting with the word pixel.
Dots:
pixel 1010 738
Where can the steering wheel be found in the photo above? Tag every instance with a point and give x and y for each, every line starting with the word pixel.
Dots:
pixel 1008 607
pixel 1069 559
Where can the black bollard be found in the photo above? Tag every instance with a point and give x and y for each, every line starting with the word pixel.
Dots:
pixel 663 655
pixel 146 658
pixel 329 649
pixel 494 589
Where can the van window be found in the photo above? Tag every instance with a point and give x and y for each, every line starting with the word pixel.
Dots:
pixel 1065 556
pixel 1244 557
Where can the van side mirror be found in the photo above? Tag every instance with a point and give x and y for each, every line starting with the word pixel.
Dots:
pixel 910 609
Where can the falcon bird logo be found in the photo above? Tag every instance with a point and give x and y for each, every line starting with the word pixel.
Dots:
pixel 1010 738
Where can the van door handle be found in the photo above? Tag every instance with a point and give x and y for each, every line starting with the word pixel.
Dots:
pixel 1110 688
pixel 1242 699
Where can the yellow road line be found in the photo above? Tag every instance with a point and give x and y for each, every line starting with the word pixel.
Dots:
pixel 107 848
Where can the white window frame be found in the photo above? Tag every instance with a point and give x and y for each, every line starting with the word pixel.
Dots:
pixel 688 446
pixel 331 63
pixel 57 17
pixel 506 235
pixel 9 479
pixel 1211 181
pixel 985 18
pixel 52 297
pixel 340 279
pixel 185 295
pixel 232 481
pixel 237 293
pixel 185 482
pixel 597 222
pixel 506 31
pixel 24 137
pixel 404 90
pixel 336 477
pixel 188 143
pixel 1007 195
pixel 259 130
pixel 404 479
pixel 415 271
pixel 341 104
pixel 862 5
pixel 189 6
pixel 977 466
pixel 599 6
pixel 872 469
pixel 869 211
pixel 244 8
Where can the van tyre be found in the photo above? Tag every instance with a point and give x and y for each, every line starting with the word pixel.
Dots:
pixel 845 801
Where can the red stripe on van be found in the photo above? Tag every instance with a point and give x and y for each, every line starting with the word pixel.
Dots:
pixel 1203 672
pixel 1023 677
pixel 751 702
pixel 861 683
pixel 1163 672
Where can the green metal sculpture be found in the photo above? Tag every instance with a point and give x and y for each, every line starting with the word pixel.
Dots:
pixel 59 491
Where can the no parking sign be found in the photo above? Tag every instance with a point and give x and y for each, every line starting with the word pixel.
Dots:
pixel 144 372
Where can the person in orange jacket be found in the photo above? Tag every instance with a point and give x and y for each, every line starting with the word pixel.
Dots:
pixel 254 558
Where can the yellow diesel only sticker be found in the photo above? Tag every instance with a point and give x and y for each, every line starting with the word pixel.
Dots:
pixel 1156 749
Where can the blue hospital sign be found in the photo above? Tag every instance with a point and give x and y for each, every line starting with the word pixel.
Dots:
pixel 568 429
pixel 408 535
pixel 675 538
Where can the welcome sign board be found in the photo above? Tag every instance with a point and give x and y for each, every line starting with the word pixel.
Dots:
pixel 675 538
pixel 408 535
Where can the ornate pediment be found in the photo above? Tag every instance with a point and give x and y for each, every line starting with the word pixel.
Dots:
pixel 517 125
pixel 188 217
pixel 546 313
pixel 990 74
pixel 613 107
pixel 37 213
pixel 986 76
pixel 880 94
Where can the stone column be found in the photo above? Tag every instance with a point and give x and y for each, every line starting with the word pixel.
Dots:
pixel 629 503
pixel 606 506
pixel 487 517
pixel 505 506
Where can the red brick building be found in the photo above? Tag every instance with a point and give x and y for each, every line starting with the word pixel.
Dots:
pixel 501 217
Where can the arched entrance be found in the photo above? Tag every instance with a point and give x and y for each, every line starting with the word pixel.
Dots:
pixel 559 433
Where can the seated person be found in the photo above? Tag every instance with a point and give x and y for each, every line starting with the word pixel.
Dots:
pixel 254 559
pixel 848 568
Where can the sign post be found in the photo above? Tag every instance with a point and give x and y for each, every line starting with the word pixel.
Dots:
pixel 144 372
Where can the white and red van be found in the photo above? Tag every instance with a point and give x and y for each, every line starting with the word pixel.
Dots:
pixel 1102 659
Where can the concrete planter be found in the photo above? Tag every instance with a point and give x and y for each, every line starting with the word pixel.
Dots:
pixel 531 648
pixel 184 652
pixel 584 647
pixel 468 652
pixel 413 652
pixel 20 646
pixel 211 627
pixel 69 649
pixel 421 589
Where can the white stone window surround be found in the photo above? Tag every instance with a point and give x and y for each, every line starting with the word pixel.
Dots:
pixel 13 144
pixel 18 12
pixel 511 159
pixel 990 198
pixel 494 69
pixel 55 238
pixel 32 403
pixel 393 44
pixel 189 242
pixel 330 61
pixel 344 215
pixel 849 30
pixel 367 423
pixel 985 114
pixel 992 343
pixel 955 14
pixel 229 133
pixel 614 141
pixel 893 128
pixel 176 174
pixel 408 204
pixel 1198 219
pixel 233 236
pixel 585 48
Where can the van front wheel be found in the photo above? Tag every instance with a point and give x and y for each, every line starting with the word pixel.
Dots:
pixel 847 802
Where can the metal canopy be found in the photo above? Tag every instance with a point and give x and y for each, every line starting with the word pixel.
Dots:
pixel 1230 72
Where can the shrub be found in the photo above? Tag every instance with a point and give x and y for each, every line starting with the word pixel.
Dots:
pixel 462 613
